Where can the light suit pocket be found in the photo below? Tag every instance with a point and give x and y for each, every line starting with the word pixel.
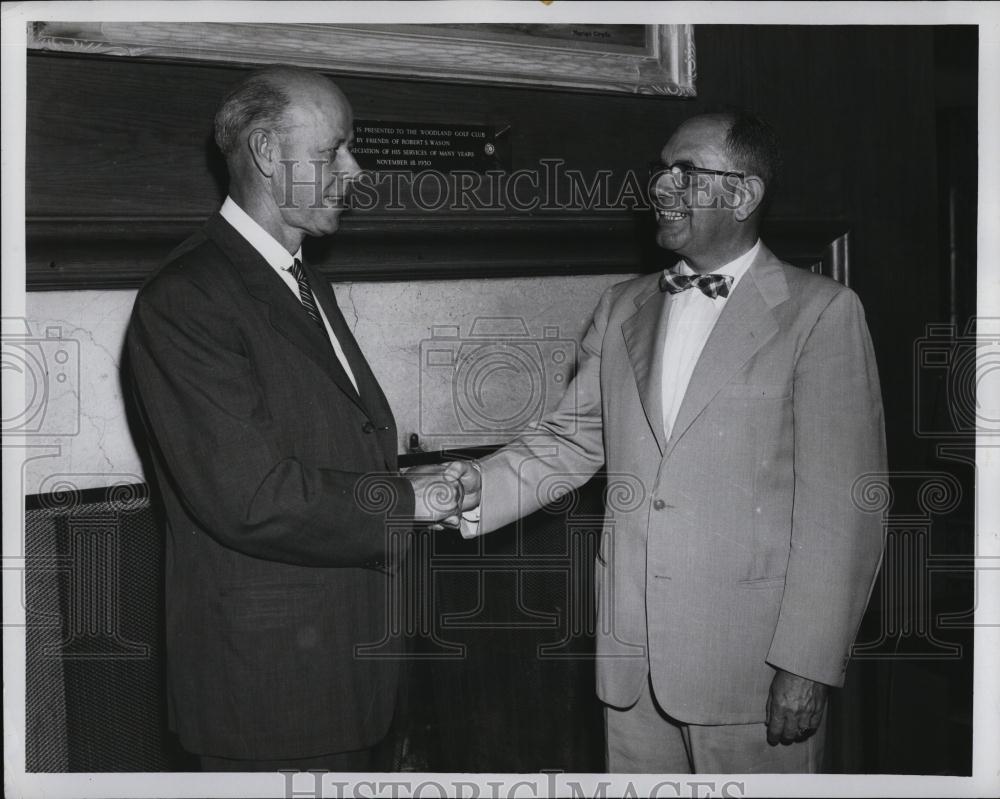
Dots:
pixel 755 391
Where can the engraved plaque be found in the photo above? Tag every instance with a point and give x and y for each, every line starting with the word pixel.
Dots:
pixel 416 146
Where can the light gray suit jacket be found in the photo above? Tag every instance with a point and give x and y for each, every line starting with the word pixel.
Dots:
pixel 733 547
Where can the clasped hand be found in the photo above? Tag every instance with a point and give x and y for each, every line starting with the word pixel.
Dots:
pixel 442 492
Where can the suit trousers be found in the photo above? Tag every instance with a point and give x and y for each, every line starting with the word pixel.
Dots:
pixel 643 739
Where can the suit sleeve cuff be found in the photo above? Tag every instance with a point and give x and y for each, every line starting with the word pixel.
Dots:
pixel 469 526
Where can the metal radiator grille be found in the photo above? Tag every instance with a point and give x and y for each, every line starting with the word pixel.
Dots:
pixel 94 671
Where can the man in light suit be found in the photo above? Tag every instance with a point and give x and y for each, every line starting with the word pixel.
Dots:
pixel 274 450
pixel 741 394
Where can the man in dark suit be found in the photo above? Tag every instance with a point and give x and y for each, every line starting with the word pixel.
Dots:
pixel 274 450
pixel 736 398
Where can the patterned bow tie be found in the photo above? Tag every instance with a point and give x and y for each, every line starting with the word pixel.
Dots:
pixel 710 285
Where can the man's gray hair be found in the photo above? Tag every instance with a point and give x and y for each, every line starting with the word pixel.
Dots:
pixel 753 147
pixel 258 100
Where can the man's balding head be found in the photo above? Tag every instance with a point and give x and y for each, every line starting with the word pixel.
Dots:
pixel 262 99
pixel 287 135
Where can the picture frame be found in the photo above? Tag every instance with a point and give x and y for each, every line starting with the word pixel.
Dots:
pixel 634 59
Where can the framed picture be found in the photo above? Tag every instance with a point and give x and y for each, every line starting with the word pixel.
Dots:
pixel 635 59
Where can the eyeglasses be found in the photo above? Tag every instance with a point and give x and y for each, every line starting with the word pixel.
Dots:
pixel 680 175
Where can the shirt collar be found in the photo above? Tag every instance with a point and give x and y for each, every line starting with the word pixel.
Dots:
pixel 736 268
pixel 262 241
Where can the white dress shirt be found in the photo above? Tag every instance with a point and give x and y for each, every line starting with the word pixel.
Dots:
pixel 693 314
pixel 281 261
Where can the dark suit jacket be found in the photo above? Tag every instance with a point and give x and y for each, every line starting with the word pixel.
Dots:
pixel 278 483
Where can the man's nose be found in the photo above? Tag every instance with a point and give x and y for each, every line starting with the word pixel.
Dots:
pixel 350 168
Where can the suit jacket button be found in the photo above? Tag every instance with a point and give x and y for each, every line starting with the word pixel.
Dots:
pixel 659 504
pixel 368 427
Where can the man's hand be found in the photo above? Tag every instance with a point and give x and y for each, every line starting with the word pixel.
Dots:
pixel 794 708
pixel 437 494
pixel 461 473
pixel 470 478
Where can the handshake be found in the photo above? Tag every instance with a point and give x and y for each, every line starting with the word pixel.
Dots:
pixel 444 491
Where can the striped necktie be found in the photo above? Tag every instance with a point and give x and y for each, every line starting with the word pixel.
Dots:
pixel 305 293
pixel 309 303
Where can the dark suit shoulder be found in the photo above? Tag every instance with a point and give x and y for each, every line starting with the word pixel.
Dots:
pixel 197 264
pixel 193 295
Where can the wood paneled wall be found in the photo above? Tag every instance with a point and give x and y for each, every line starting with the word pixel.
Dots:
pixel 854 107
pixel 120 166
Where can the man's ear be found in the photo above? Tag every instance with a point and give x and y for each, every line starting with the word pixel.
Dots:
pixel 751 196
pixel 263 151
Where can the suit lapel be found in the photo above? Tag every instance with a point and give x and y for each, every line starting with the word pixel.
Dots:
pixel 743 327
pixel 285 313
pixel 644 334
pixel 368 387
